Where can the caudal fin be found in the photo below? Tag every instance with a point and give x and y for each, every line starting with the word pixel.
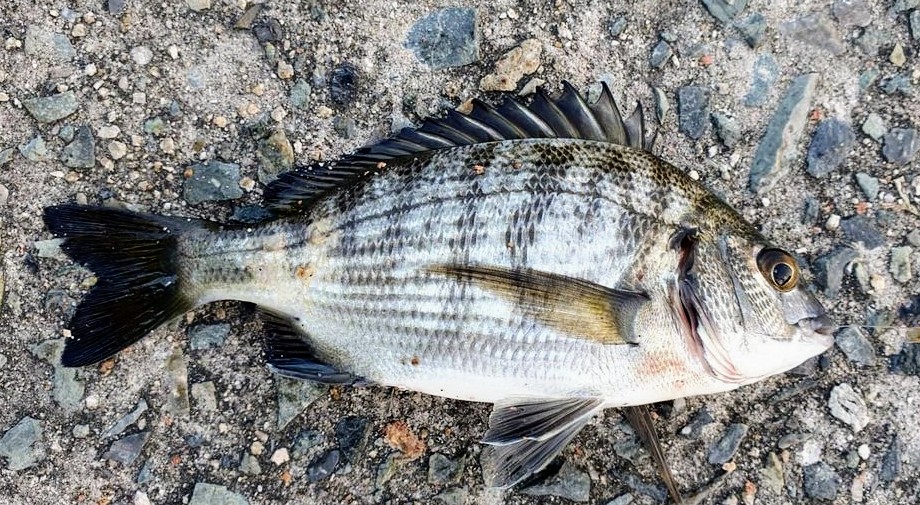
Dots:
pixel 139 287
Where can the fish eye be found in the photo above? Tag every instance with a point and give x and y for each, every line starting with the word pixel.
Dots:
pixel 779 268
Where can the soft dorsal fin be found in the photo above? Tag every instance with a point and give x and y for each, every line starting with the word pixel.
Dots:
pixel 567 116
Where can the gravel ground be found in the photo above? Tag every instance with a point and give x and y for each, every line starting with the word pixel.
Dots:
pixel 113 102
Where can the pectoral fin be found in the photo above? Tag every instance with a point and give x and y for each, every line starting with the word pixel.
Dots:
pixel 576 307
pixel 525 435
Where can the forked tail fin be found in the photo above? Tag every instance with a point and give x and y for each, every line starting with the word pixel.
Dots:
pixel 139 287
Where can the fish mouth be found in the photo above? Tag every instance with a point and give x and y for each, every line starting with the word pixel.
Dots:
pixel 821 327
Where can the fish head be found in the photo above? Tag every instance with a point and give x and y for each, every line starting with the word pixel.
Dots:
pixel 746 307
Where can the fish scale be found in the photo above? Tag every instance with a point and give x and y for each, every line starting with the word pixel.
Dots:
pixel 552 276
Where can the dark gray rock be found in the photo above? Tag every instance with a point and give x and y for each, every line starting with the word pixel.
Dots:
pixel 753 29
pixel 764 75
pixel 269 30
pixel 251 214
pixel 699 420
pixel 300 94
pixel 249 464
pixel 830 268
pixel 723 10
pixel 724 450
pixel 442 470
pixel 66 133
pixel 293 397
pixel 213 494
pixel 792 439
pixel 305 441
pixel 660 54
pixel 693 110
pixel 445 38
pixel 343 83
pixel 212 181
pixel 862 229
pixel 81 153
pixel 870 40
pixel 891 462
pixel 21 445
pixel 907 362
pixel 345 126
pixel 388 468
pixel 35 149
pixel 915 24
pixel 661 104
pixel 208 336
pixel 816 30
pixel 126 420
pixel 794 390
pixel 811 211
pixel 616 26
pixel 821 481
pixel 656 493
pixel 856 346
pixel 852 12
pixel 868 78
pixel 48 109
pixel 778 147
pixel 898 84
pixel 570 483
pixel 47 45
pixel 145 474
pixel 126 450
pixel 324 466
pixel 624 499
pixel 453 496
pixel 830 146
pixel 116 6
pixel 6 156
pixel 351 434
pixel 900 145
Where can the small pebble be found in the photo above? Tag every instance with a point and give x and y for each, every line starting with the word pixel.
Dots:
pixel 725 449
pixel 863 229
pixel 208 336
pixel 276 155
pixel 852 12
pixel 22 446
pixel 293 397
pixel 142 55
pixel 126 450
pixel 874 126
pixel 343 83
pixel 445 38
pixel 848 406
pixel 35 149
pixel 48 109
pixel 250 464
pixel 900 145
pixel 856 346
pixel 324 466
pixel 280 456
pixel 830 146
pixel 126 420
pixel 693 110
pixel 868 185
pixel 753 29
pixel 724 10
pixel 213 494
pixel 816 30
pixel 442 470
pixel 285 70
pixel 212 181
pixel 821 481
pixel 863 451
pixel 764 75
pixel 830 269
pixel 660 54
pixel 891 462
pixel 569 483
pixel 900 264
pixel 81 152
pixel 117 149
pixel 514 65
pixel 897 55
pixel 198 5
pixel 351 434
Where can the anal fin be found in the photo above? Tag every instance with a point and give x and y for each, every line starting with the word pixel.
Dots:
pixel 289 352
pixel 526 434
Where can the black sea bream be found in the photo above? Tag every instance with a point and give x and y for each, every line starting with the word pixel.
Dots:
pixel 536 257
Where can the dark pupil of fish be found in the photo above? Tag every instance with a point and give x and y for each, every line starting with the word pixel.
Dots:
pixel 782 274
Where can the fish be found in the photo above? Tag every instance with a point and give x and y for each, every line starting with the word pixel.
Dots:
pixel 539 257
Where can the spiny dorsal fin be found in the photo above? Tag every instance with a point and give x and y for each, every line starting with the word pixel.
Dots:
pixel 568 116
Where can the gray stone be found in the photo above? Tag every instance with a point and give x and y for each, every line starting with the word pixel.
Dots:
pixel 66 133
pixel 47 109
pixel 212 181
pixel 862 229
pixel 47 45
pixel 453 496
pixel 764 75
pixel 570 483
pixel 324 466
pixel 269 30
pixel 792 439
pixel 116 6
pixel 900 145
pixel 915 24
pixel 693 110
pixel 35 149
pixel 276 155
pixel 900 263
pixel 616 26
pixel 891 462
pixel 660 54
pixel 300 94
pixel 724 10
pixel 868 77
pixel 387 468
pixel 778 147
pixel 753 29
pixel 821 481
pixel 907 362
pixel 848 406
pixel 830 268
pixel 80 431
pixel 830 146
pixel 126 450
pixel 6 156
pixel 126 420
pixel 856 346
pixel 871 40
pixel 142 55
pixel 874 126
pixel 205 396
pixel 208 336
pixel 868 185
pixel 343 83
pixel 345 126
pixel 904 5
pixel 816 30
pixel 145 474
pixel 67 389
pixel 22 446
pixel 81 153
pixel 250 464
pixel 898 84
pixel 155 126
pixel 212 494
pixel 305 441
pixel 351 434
pixel 623 499
pixel 445 38
pixel 724 450
pixel 697 423
pixel 661 104
pixel 852 12
pixel 656 493
pixel 293 397
pixel 913 238
pixel 442 470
